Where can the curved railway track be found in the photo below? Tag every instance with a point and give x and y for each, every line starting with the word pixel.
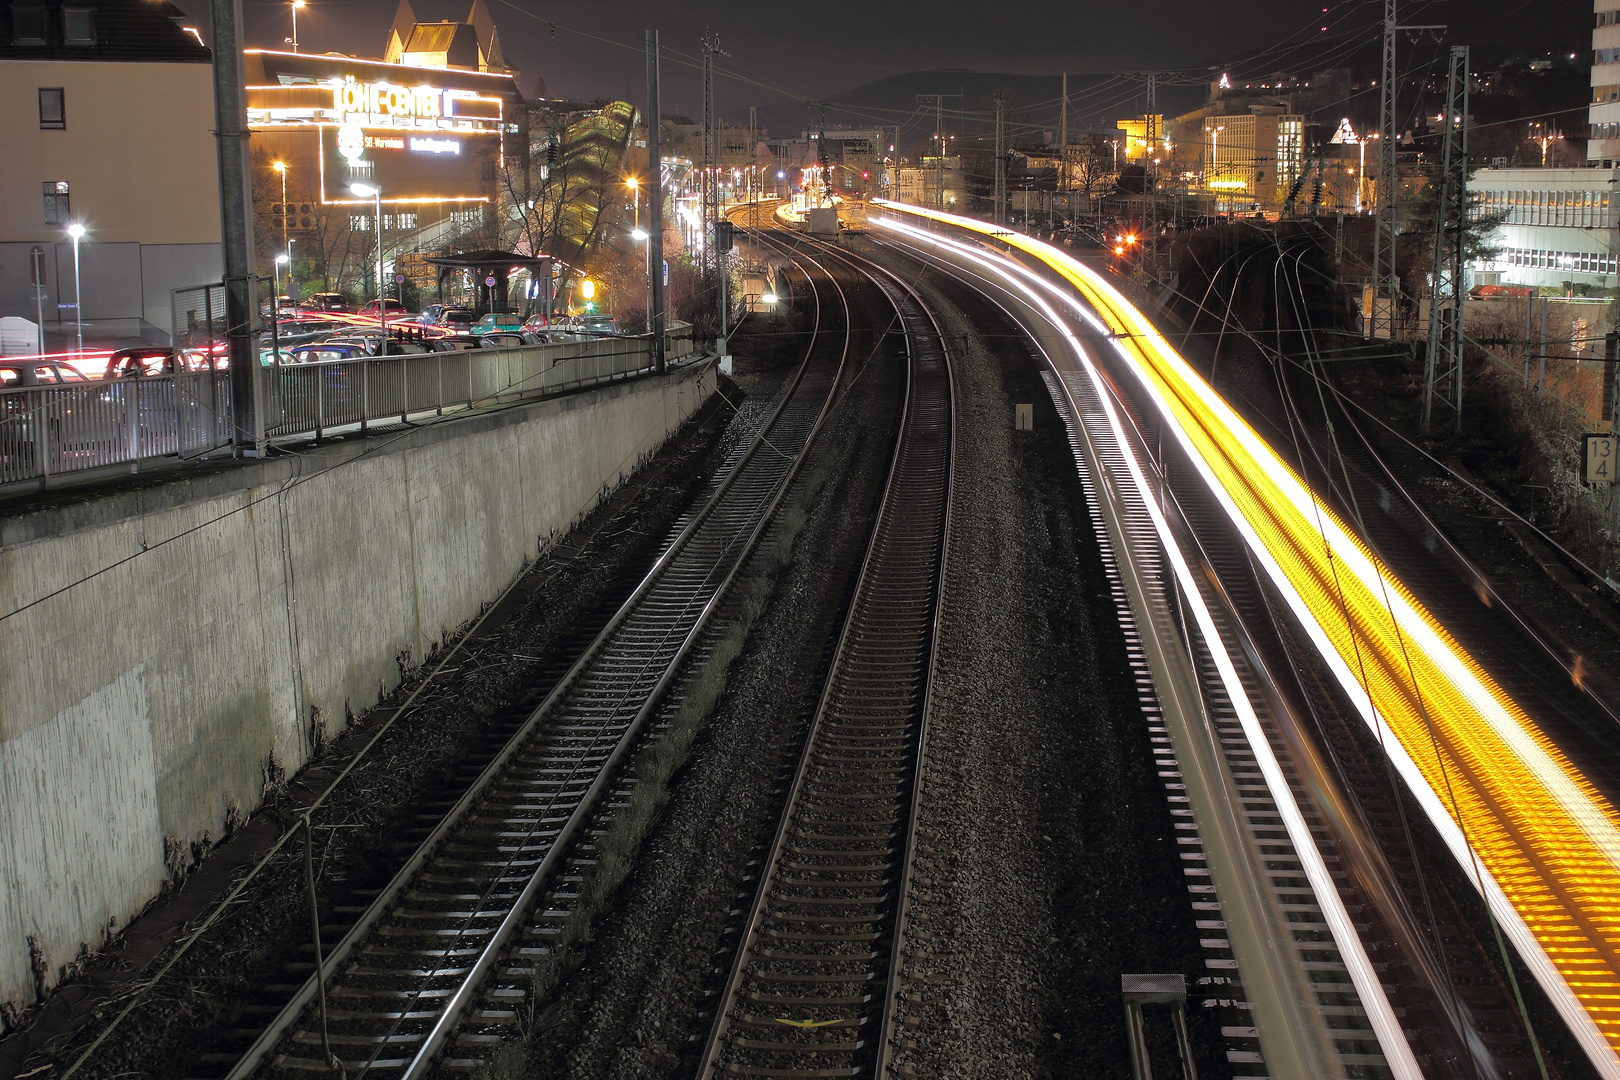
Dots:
pixel 436 964
pixel 814 985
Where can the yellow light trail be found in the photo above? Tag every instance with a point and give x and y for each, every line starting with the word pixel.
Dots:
pixel 1512 807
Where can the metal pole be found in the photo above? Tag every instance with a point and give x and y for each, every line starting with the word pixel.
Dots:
pixel 1384 282
pixel 1001 166
pixel 382 301
pixel 236 225
pixel 36 259
pixel 1541 377
pixel 655 205
pixel 1063 144
pixel 78 299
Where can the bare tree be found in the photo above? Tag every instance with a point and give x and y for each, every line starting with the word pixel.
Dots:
pixel 328 249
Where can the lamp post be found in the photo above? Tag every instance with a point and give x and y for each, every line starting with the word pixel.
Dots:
pixel 296 4
pixel 275 301
pixel 76 231
pixel 639 235
pixel 374 191
pixel 281 167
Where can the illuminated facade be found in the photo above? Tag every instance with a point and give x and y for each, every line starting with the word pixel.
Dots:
pixel 1558 227
pixel 1251 160
pixel 1603 114
pixel 431 139
pixel 1134 136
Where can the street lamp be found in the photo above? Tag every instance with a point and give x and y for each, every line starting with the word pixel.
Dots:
pixel 374 191
pixel 275 301
pixel 296 4
pixel 639 235
pixel 281 167
pixel 76 231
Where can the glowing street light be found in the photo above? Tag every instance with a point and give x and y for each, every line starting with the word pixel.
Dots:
pixel 374 191
pixel 296 4
pixel 76 231
pixel 275 301
pixel 281 167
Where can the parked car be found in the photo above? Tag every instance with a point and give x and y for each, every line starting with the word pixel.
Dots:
pixel 457 320
pixel 507 339
pixel 325 301
pixel 37 373
pixel 328 351
pixel 394 309
pixel 497 321
pixel 595 324
pixel 292 332
pixel 537 322
pixel 142 360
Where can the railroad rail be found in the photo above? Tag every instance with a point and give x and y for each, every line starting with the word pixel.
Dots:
pixel 814 986
pixel 1245 822
pixel 411 977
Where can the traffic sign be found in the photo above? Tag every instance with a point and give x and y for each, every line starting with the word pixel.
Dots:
pixel 399 279
pixel 666 273
pixel 1598 457
pixel 490 281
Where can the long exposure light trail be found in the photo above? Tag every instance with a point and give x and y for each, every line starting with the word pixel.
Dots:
pixel 1539 841
pixel 1386 1026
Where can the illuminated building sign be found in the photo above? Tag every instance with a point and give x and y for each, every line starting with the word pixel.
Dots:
pixel 387 99
pixel 335 121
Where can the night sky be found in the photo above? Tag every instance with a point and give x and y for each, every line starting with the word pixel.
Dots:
pixel 817 50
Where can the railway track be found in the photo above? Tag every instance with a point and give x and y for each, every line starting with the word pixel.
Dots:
pixel 813 989
pixel 434 968
pixel 1270 958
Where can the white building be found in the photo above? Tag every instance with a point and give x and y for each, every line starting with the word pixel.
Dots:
pixel 1603 115
pixel 1563 225
pixel 1559 230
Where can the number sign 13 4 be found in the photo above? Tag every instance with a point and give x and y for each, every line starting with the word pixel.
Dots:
pixel 1600 454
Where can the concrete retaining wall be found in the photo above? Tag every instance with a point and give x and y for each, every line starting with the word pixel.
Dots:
pixel 142 705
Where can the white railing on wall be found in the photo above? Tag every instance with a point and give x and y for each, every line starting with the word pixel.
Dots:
pixel 52 433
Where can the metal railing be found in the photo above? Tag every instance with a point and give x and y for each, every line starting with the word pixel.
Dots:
pixel 53 432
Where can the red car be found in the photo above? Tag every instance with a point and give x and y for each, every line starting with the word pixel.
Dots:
pixel 394 309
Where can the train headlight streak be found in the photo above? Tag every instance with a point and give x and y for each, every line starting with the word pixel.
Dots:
pixel 1368 985
pixel 1540 842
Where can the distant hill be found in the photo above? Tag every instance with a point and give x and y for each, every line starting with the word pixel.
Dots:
pixel 1032 105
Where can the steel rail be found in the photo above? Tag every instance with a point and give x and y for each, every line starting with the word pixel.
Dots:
pixel 1225 709
pixel 666 564
pixel 884 660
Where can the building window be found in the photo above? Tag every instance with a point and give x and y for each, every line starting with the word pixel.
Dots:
pixel 27 25
pixel 78 26
pixel 57 210
pixel 52 108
